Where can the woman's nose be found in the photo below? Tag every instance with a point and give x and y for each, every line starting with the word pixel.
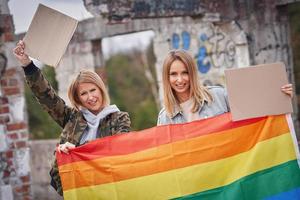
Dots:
pixel 179 78
pixel 89 96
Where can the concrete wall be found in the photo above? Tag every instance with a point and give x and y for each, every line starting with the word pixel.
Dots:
pixel 221 34
pixel 41 155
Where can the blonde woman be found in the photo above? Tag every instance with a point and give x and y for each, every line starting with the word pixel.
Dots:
pixel 91 116
pixel 185 98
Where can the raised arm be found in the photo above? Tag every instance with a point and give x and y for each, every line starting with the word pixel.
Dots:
pixel 41 88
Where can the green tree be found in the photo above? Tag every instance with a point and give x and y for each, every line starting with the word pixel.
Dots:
pixel 130 90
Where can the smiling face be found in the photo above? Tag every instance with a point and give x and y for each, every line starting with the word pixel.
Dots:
pixel 90 97
pixel 179 80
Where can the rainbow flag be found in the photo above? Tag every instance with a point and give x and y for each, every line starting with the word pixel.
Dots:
pixel 208 159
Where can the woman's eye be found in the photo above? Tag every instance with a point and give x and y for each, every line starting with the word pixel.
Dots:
pixel 83 93
pixel 173 74
pixel 93 90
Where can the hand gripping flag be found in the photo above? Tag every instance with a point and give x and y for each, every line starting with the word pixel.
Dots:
pixel 207 159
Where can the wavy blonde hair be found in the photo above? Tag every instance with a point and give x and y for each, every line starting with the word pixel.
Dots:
pixel 86 76
pixel 198 92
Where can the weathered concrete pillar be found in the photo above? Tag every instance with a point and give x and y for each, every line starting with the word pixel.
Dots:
pixel 99 59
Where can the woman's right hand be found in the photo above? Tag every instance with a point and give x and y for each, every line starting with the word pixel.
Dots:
pixel 65 147
pixel 19 52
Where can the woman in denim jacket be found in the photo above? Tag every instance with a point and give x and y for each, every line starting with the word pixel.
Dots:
pixel 185 98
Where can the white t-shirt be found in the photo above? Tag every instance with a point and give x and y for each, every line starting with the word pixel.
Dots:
pixel 187 111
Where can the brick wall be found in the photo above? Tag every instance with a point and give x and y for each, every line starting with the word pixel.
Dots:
pixel 14 151
pixel 15 179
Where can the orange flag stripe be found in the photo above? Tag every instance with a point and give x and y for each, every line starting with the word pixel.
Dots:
pixel 158 159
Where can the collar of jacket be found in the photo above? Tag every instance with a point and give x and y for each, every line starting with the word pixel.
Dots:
pixel 178 110
pixel 79 128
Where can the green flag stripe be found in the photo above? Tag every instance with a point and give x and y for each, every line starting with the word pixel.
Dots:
pixel 259 185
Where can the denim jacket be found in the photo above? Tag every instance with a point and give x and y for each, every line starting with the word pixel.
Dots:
pixel 218 106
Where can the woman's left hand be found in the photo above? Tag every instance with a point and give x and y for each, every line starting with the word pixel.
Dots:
pixel 65 147
pixel 287 89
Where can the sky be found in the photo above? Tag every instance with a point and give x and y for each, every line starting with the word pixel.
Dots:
pixel 23 13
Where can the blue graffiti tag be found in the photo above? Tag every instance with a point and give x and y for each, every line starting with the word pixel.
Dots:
pixel 175 41
pixel 203 65
pixel 202 60
pixel 203 37
pixel 186 38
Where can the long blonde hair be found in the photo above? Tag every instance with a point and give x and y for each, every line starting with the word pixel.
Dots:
pixel 198 92
pixel 86 76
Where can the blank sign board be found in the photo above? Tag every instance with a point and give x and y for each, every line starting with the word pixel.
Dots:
pixel 255 91
pixel 49 35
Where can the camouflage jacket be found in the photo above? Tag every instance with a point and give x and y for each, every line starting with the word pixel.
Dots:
pixel 70 119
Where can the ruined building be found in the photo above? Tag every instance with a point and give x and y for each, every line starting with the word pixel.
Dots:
pixel 220 34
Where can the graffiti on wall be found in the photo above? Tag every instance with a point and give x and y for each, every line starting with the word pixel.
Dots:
pixel 214 51
pixel 272 48
pixel 186 40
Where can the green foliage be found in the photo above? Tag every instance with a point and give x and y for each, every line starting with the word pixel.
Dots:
pixel 144 115
pixel 130 90
pixel 41 125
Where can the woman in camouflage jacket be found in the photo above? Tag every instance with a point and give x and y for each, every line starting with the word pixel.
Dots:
pixel 91 116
